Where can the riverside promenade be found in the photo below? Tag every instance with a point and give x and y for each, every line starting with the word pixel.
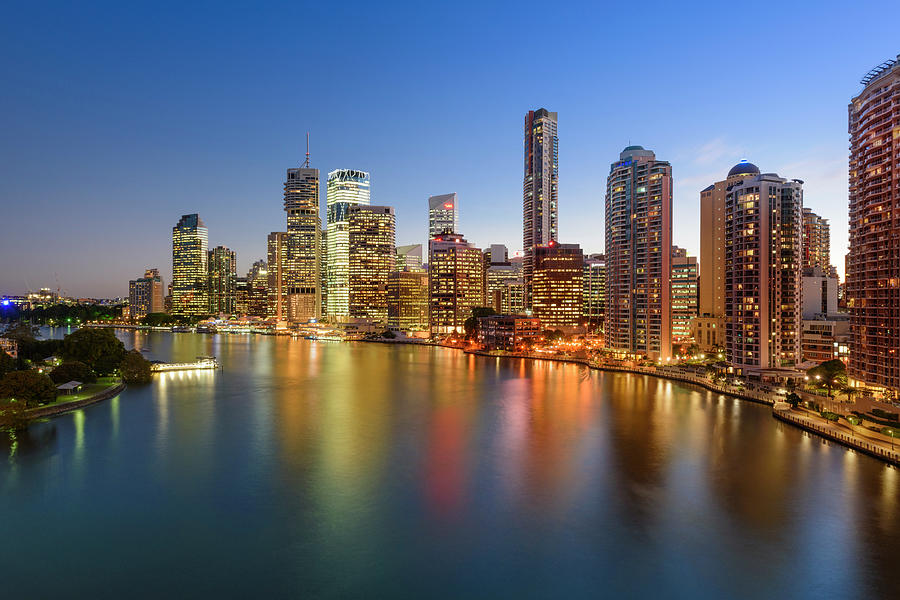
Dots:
pixel 857 438
pixel 61 407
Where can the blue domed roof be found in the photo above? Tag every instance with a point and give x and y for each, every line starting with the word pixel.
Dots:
pixel 630 148
pixel 744 168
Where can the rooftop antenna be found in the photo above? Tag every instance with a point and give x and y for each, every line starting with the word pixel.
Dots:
pixel 306 164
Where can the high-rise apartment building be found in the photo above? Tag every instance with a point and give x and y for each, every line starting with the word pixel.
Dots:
pixel 873 266
pixel 407 292
pixel 443 215
pixel 816 242
pixel 241 296
pixel 372 258
pixel 145 295
pixel 763 254
pixel 557 286
pixel 277 249
pixel 708 328
pixel 301 288
pixel 190 239
pixel 456 282
pixel 638 318
pixel 594 296
pixel 540 187
pixel 221 275
pixel 345 188
pixel 685 277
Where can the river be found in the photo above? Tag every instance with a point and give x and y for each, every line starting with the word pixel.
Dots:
pixel 323 469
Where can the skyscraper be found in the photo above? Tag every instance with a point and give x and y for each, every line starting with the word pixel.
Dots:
pixel 639 255
pixel 408 299
pixel 221 275
pixel 301 280
pixel 594 296
pixel 258 289
pixel 763 235
pixel 372 258
pixel 443 215
pixel 277 248
pixel 345 188
pixel 557 286
pixel 816 242
pixel 684 293
pixel 540 188
pixel 145 295
pixel 873 267
pixel 456 282
pixel 189 255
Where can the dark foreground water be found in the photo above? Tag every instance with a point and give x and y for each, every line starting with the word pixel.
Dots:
pixel 316 469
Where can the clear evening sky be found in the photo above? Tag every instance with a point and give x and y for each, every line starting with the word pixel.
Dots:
pixel 119 118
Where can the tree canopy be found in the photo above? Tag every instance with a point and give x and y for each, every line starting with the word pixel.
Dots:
pixel 99 349
pixel 29 387
pixel 72 371
pixel 831 373
pixel 135 369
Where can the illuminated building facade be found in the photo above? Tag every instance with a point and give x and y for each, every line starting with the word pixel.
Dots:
pixel 638 319
pixel 222 276
pixel 873 267
pixel 540 187
pixel 258 289
pixel 456 282
pixel 443 215
pixel 594 295
pixel 763 254
pixel 508 332
pixel 372 258
pixel 817 242
pixel 145 295
pixel 685 276
pixel 557 286
pixel 190 239
pixel 407 292
pixel 345 188
pixel 409 257
pixel 241 296
pixel 301 290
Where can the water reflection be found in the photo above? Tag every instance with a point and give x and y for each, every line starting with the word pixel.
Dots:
pixel 344 467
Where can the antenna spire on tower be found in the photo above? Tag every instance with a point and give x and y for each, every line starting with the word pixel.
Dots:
pixel 306 164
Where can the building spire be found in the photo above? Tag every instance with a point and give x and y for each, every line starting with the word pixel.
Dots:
pixel 306 164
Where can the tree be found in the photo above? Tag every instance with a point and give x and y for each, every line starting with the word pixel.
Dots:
pixel 21 332
pixel 13 415
pixel 99 349
pixel 831 373
pixel 388 334
pixel 29 387
pixel 72 371
pixel 793 399
pixel 7 363
pixel 135 369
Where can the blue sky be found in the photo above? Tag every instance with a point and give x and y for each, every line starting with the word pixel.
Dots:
pixel 118 118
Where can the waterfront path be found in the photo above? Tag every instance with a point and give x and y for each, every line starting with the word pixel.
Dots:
pixel 80 401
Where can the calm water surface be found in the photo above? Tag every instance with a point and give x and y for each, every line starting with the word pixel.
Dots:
pixel 316 469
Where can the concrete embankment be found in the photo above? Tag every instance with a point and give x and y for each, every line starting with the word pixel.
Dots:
pixel 64 407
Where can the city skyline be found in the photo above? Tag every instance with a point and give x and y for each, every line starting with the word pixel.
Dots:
pixel 183 136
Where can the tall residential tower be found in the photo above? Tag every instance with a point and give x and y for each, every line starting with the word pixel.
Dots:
pixel 873 266
pixel 639 255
